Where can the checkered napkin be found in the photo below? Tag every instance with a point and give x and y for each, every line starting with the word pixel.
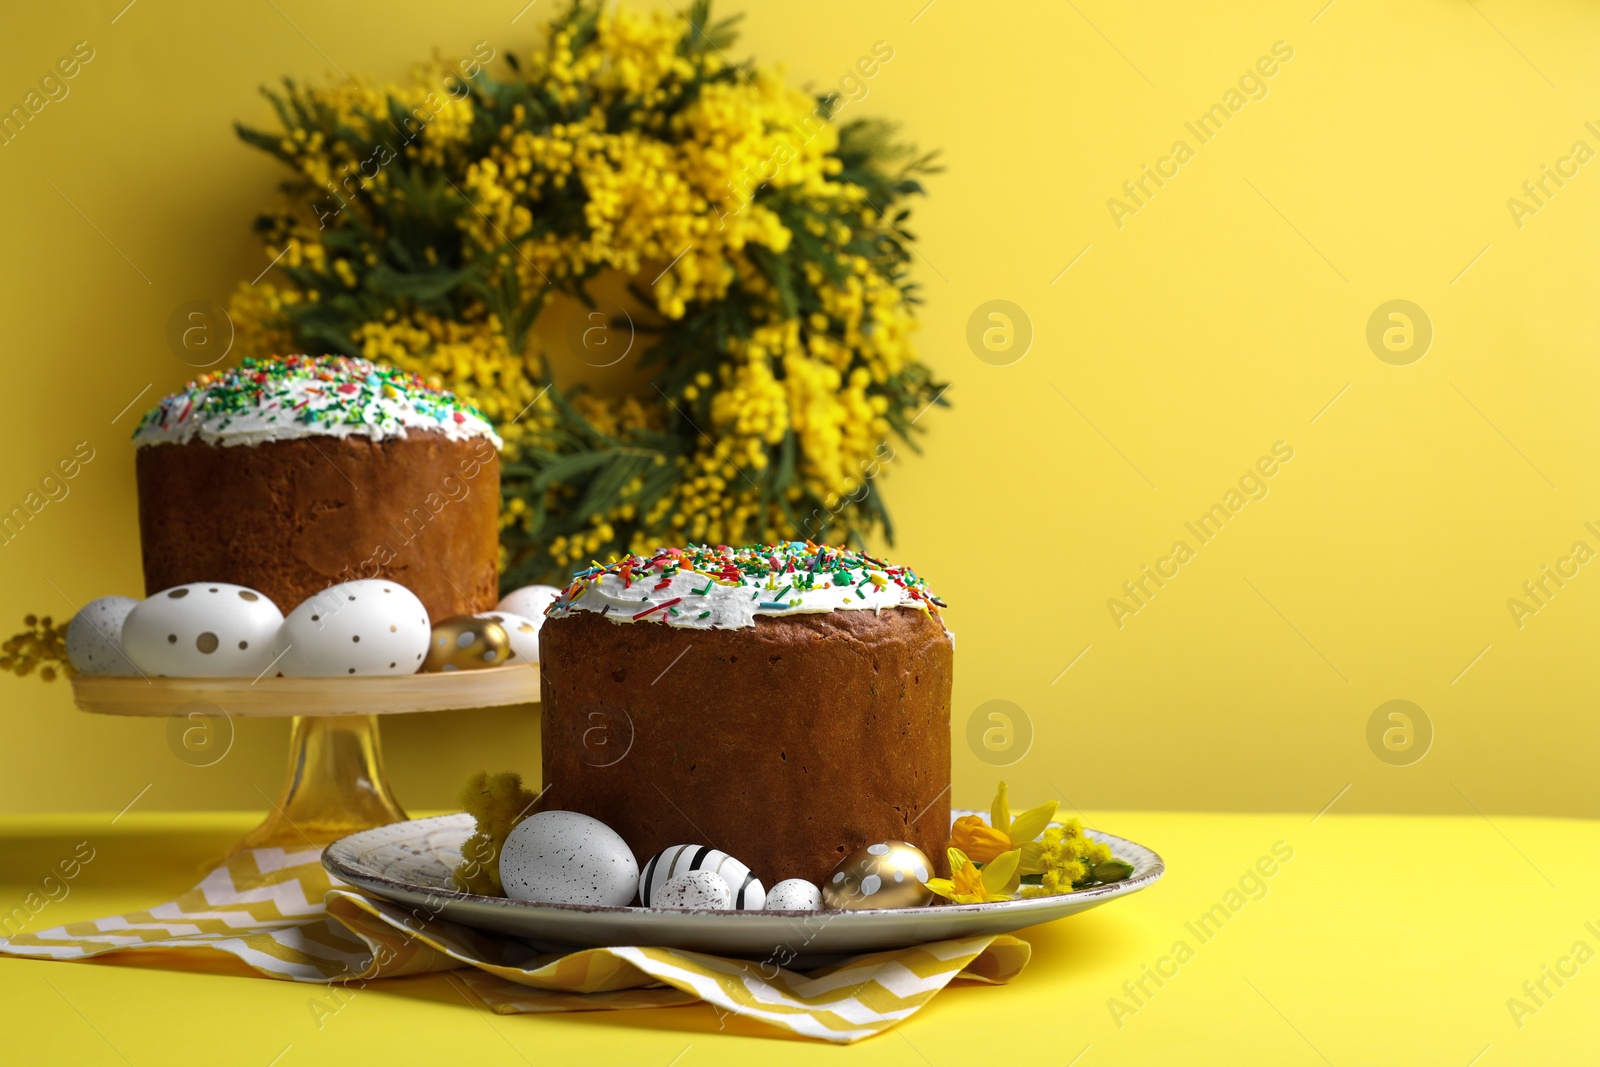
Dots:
pixel 282 914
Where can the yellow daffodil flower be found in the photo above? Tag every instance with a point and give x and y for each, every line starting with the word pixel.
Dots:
pixel 970 884
pixel 982 842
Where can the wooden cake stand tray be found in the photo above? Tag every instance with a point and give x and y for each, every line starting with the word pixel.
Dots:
pixel 336 783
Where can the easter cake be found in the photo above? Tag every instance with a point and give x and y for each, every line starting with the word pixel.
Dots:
pixel 787 704
pixel 289 474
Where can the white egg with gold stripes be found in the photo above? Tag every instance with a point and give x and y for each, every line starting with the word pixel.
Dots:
pixel 745 891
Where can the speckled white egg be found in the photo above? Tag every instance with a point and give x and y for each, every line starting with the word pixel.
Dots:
pixel 369 626
pixel 744 889
pixel 794 894
pixel 700 890
pixel 202 630
pixel 529 602
pixel 94 636
pixel 562 857
pixel 523 632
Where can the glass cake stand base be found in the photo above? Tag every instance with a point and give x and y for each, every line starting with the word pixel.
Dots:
pixel 336 783
pixel 335 786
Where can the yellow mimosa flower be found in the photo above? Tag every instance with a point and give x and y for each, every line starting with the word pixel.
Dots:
pixel 726 185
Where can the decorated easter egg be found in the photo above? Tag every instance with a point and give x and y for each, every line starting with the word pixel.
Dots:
pixel 369 626
pixel 703 890
pixel 202 630
pixel 466 643
pixel 94 636
pixel 744 889
pixel 529 601
pixel 888 874
pixel 562 857
pixel 523 633
pixel 794 894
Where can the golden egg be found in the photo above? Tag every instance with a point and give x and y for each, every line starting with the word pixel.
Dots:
pixel 524 634
pixel 465 643
pixel 888 874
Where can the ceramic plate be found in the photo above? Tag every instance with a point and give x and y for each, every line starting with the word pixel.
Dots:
pixel 410 863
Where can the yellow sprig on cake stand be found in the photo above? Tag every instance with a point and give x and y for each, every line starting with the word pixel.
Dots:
pixel 336 782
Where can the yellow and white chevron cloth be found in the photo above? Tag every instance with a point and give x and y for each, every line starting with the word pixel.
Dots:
pixel 282 914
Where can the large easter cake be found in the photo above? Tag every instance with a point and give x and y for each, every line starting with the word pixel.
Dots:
pixel 289 474
pixel 785 704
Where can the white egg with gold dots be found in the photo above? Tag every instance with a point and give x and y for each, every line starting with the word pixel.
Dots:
pixel 368 626
pixel 529 601
pixel 527 604
pixel 202 630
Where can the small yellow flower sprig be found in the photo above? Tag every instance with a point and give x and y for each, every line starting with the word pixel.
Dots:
pixel 1068 860
pixel 497 803
pixel 1054 857
pixel 42 647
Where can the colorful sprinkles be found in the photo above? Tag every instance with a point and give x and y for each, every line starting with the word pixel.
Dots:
pixel 771 572
pixel 301 395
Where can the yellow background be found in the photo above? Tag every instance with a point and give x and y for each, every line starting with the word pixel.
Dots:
pixel 1223 317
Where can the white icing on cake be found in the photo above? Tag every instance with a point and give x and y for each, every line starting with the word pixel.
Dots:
pixel 703 588
pixel 295 397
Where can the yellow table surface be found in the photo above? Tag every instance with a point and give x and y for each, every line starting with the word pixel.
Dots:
pixel 1383 939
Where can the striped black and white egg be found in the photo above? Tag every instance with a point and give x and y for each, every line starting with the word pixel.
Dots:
pixel 745 892
pixel 202 630
pixel 94 636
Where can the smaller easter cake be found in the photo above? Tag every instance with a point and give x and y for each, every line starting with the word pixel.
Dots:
pixel 287 475
pixel 784 704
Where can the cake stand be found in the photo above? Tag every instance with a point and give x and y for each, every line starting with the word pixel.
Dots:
pixel 336 783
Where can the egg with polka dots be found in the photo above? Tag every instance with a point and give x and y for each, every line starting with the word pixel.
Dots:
pixel 467 643
pixel 94 636
pixel 202 630
pixel 522 632
pixel 888 874
pixel 369 626
pixel 563 857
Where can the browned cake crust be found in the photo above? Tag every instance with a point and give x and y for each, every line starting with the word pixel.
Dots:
pixel 289 518
pixel 787 745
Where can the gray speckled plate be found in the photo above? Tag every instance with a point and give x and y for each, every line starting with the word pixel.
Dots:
pixel 410 863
